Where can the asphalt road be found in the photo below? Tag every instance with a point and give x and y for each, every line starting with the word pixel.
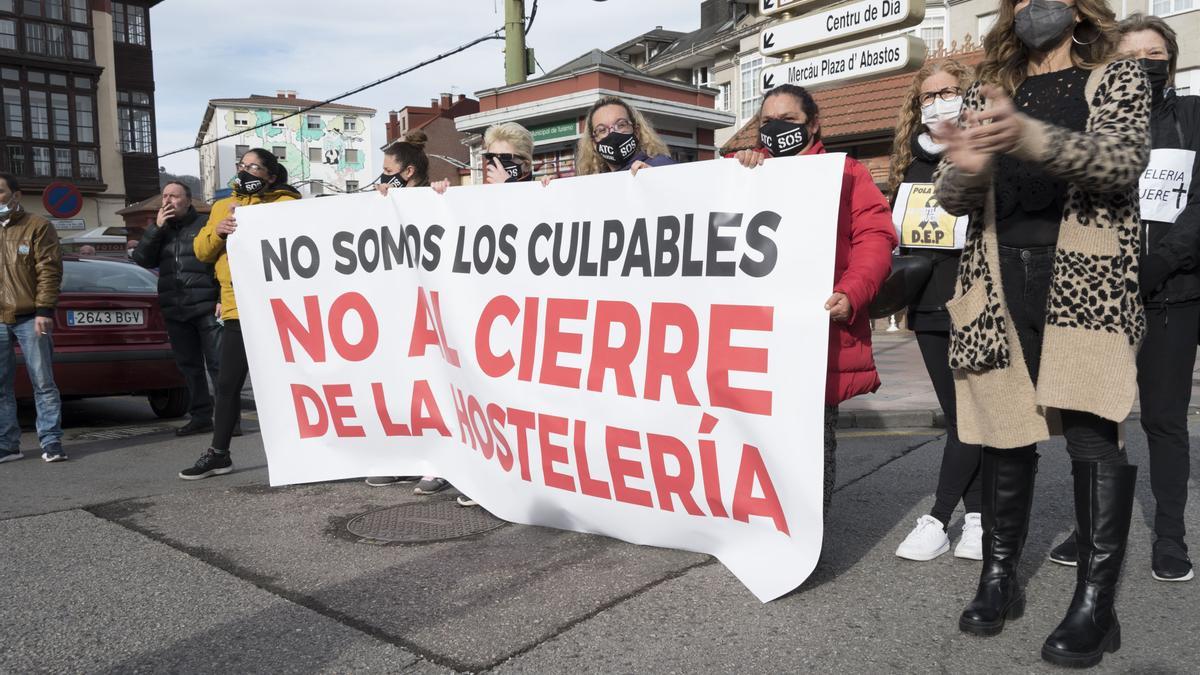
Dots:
pixel 108 563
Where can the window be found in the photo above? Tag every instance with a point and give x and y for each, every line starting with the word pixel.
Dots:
pixel 79 11
pixel 701 76
pixel 54 9
pixel 129 24
pixel 352 156
pixel 57 80
pixel 96 275
pixel 351 186
pixel 33 7
pixel 16 160
pixel 35 77
pixel 279 151
pixel 241 119
pixel 81 45
pixel 41 162
pixel 314 121
pixel 239 151
pixel 7 5
pixel 85 125
pixel 62 117
pixel 1169 7
pixel 10 74
pixel 316 155
pixel 88 168
pixel 35 38
pixel 1187 82
pixel 56 41
pixel 933 29
pixel 137 130
pixel 984 26
pixel 349 124
pixel 83 83
pixel 8 34
pixel 39 116
pixel 722 102
pixel 62 162
pixel 14 114
pixel 750 67
pixel 277 122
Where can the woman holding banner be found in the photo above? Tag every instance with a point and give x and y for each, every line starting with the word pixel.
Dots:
pixel 617 137
pixel 1047 315
pixel 261 179
pixel 790 125
pixel 928 231
pixel 1170 282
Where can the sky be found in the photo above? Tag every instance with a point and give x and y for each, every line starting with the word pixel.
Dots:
pixel 207 49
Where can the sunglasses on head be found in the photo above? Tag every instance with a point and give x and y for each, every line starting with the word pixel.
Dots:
pixel 504 157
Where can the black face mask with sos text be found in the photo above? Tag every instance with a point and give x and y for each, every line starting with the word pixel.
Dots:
pixel 783 139
pixel 249 184
pixel 391 180
pixel 617 148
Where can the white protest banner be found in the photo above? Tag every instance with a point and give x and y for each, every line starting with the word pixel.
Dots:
pixel 637 356
pixel 852 64
pixel 842 23
pixel 1163 187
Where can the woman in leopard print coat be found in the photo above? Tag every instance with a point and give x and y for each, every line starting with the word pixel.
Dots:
pixel 1047 317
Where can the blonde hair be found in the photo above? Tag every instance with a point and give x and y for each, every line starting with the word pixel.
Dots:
pixel 909 120
pixel 1005 57
pixel 515 135
pixel 588 161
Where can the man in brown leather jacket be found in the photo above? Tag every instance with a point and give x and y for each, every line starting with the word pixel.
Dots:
pixel 30 277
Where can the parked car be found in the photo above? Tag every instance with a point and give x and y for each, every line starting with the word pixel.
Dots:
pixel 105 241
pixel 110 338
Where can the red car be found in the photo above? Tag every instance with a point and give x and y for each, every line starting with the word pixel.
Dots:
pixel 110 338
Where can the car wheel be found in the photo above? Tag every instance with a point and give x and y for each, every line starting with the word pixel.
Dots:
pixel 168 403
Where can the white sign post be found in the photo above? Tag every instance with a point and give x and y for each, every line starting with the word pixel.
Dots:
pixel 852 64
pixel 844 22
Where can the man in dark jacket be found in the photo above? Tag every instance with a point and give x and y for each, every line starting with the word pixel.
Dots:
pixel 188 294
pixel 30 278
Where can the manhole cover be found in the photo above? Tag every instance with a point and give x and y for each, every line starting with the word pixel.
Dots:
pixel 117 433
pixel 424 522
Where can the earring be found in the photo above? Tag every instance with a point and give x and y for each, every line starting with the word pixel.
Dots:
pixel 1077 41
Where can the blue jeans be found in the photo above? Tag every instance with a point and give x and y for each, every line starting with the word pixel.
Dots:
pixel 38 351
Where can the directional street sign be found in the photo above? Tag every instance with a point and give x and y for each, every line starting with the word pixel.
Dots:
pixel 852 64
pixel 768 7
pixel 842 23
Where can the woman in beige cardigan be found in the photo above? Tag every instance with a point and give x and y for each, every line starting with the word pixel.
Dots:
pixel 1046 316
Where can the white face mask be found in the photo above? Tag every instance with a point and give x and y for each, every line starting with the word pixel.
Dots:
pixel 941 111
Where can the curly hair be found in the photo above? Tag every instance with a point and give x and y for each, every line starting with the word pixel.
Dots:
pixel 908 123
pixel 588 161
pixel 1005 57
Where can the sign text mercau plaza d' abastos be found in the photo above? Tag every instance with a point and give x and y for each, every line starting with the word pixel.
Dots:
pixel 839 24
pixel 862 62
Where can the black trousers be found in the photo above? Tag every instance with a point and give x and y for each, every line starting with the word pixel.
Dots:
pixel 959 475
pixel 1025 274
pixel 230 381
pixel 196 344
pixel 1165 365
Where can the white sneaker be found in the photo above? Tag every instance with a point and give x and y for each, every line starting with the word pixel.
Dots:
pixel 927 541
pixel 970 545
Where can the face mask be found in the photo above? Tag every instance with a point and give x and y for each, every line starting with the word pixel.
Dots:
pixel 5 210
pixel 391 180
pixel 1042 24
pixel 248 183
pixel 941 111
pixel 1157 71
pixel 617 148
pixel 513 169
pixel 783 139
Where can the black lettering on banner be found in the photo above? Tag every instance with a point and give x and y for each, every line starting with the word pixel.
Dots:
pixel 563 264
pixel 306 243
pixel 587 268
pixel 764 245
pixel 461 266
pixel 507 257
pixel 666 246
pixel 369 262
pixel 612 244
pixel 691 267
pixel 485 238
pixel 542 231
pixel 718 244
pixel 639 249
pixel 433 247
pixel 343 249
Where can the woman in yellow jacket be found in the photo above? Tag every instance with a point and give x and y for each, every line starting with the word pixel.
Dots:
pixel 261 179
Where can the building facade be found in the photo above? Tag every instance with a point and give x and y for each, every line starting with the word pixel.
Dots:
pixel 326 150
pixel 77 84
pixel 445 145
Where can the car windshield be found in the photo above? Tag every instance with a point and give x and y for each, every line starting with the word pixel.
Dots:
pixel 106 276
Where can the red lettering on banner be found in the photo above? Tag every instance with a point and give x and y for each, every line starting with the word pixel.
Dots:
pixel 712 478
pixel 423 412
pixel 675 365
pixel 529 340
pixel 344 304
pixel 504 453
pixel 524 422
pixel 491 364
pixel 620 468
pixel 464 421
pixel 309 428
pixel 390 427
pixel 427 329
pixel 665 484
pixel 617 359
pixel 745 504
pixel 553 454
pixel 311 336
pixel 558 342
pixel 587 485
pixel 475 411
pixel 340 414
pixel 724 357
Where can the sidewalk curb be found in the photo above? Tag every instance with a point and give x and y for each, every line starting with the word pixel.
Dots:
pixel 891 419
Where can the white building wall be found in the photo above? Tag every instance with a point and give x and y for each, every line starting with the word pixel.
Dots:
pixel 320 150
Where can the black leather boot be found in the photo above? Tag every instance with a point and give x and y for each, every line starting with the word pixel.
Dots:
pixel 1103 506
pixel 1007 486
pixel 1066 553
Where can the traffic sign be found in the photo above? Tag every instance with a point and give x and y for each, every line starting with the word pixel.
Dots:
pixel 843 66
pixel 845 22
pixel 768 7
pixel 62 199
